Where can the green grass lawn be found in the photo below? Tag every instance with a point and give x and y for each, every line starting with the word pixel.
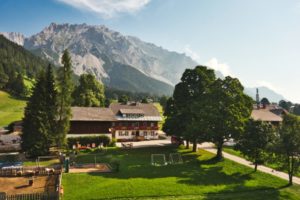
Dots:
pixel 199 177
pixel 11 109
pixel 271 163
pixel 231 150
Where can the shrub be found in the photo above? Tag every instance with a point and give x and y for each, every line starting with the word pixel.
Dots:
pixel 103 140
pixel 113 142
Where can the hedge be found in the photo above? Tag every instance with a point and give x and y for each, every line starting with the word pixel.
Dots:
pixel 102 139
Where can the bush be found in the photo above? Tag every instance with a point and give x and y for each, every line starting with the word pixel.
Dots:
pixel 103 140
pixel 113 142
pixel 115 164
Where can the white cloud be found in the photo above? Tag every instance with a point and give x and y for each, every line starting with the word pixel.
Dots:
pixel 212 63
pixel 189 52
pixel 222 67
pixel 107 8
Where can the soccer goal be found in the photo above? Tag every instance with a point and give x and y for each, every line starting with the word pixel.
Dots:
pixel 158 159
pixel 175 158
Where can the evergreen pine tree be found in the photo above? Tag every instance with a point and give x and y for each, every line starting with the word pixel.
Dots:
pixel 35 137
pixel 52 105
pixel 65 85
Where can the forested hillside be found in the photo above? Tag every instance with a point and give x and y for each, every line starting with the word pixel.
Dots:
pixel 15 64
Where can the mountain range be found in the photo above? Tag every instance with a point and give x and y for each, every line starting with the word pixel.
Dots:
pixel 122 62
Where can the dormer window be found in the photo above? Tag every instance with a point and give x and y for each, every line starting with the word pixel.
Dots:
pixel 131 113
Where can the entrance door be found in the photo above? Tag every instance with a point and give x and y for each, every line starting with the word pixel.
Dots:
pixel 137 133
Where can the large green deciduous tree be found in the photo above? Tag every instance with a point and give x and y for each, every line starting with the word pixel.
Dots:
pixel 287 146
pixel 89 92
pixel 189 93
pixel 227 111
pixel 65 86
pixel 255 140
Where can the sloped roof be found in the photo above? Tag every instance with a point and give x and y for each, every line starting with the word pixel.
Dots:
pixel 131 111
pixel 265 115
pixel 92 114
pixel 147 109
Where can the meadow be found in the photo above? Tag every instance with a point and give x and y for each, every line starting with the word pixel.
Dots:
pixel 199 177
pixel 11 109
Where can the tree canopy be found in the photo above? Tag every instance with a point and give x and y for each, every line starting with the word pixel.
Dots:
pixel 189 93
pixel 228 110
pixel 287 145
pixel 255 140
pixel 89 92
pixel 65 89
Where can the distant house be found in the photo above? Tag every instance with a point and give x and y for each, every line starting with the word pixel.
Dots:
pixel 133 121
pixel 270 113
pixel 267 112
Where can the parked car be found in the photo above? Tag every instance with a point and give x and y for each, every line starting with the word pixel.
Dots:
pixel 176 140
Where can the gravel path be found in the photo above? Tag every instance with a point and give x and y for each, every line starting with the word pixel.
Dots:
pixel 209 147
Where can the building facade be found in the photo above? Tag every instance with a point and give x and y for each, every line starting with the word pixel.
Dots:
pixel 133 121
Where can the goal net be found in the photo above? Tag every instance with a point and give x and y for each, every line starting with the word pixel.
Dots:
pixel 175 158
pixel 158 159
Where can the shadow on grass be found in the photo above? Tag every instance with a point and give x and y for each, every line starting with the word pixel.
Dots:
pixel 199 169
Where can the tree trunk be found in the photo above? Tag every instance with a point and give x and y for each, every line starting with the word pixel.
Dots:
pixel 291 170
pixel 194 145
pixel 219 155
pixel 187 144
pixel 290 178
pixel 255 166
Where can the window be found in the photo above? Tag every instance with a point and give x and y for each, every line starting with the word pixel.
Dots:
pixel 113 124
pixel 152 124
pixel 152 133
pixel 144 123
pixel 145 133
pixel 123 133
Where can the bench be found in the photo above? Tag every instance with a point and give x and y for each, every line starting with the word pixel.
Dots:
pixel 127 145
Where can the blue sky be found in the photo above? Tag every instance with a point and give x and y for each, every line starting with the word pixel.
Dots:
pixel 257 41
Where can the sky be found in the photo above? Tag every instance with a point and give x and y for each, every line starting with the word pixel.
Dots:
pixel 257 41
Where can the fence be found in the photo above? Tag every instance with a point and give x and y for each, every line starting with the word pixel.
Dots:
pixel 49 195
pixel 27 171
pixel 33 196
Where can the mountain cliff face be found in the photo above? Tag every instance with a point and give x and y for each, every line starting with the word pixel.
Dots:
pixel 17 38
pixel 97 50
pixel 122 62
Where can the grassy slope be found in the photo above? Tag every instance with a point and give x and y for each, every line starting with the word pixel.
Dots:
pixel 199 177
pixel 11 109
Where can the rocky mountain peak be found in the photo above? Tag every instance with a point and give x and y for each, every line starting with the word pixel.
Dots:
pixel 17 38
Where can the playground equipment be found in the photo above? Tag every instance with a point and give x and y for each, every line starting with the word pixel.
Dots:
pixel 175 158
pixel 158 159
